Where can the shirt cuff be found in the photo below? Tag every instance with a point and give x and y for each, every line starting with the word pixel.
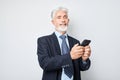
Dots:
pixel 84 62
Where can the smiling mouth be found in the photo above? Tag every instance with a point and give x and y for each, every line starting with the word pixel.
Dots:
pixel 62 24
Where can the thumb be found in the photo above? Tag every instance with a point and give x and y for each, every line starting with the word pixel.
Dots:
pixel 76 45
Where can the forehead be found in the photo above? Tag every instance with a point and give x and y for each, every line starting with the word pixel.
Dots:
pixel 60 13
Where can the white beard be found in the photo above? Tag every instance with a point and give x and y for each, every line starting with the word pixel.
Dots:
pixel 62 28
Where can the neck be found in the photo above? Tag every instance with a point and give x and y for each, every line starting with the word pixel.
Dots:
pixel 62 33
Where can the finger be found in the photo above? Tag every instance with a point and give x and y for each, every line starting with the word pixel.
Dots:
pixel 87 46
pixel 79 53
pixel 76 45
pixel 87 49
pixel 87 53
pixel 80 47
pixel 79 50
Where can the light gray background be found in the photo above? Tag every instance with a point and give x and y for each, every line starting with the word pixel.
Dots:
pixel 23 21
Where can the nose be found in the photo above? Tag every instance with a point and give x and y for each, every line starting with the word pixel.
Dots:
pixel 63 20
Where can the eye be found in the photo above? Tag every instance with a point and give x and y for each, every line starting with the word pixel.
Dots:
pixel 58 17
pixel 65 16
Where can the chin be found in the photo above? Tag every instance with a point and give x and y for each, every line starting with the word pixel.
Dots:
pixel 62 28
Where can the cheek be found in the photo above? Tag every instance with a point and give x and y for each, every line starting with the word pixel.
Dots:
pixel 67 21
pixel 56 22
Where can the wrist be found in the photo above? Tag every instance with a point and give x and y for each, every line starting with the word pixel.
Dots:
pixel 84 58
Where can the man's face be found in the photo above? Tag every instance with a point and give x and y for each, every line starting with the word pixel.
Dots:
pixel 60 20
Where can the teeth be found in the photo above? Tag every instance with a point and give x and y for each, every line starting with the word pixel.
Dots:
pixel 62 24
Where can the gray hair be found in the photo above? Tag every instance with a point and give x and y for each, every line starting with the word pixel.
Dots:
pixel 57 9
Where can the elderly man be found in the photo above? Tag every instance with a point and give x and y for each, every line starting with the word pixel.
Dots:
pixel 60 56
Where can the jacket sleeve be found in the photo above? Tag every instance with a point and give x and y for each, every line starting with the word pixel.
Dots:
pixel 50 63
pixel 84 65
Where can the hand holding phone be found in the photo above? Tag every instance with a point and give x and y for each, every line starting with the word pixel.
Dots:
pixel 87 51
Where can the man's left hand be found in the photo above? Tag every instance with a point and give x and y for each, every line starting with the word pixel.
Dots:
pixel 87 53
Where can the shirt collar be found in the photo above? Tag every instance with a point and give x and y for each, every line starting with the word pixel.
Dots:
pixel 58 34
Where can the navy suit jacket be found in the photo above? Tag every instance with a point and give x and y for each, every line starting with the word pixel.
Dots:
pixel 52 62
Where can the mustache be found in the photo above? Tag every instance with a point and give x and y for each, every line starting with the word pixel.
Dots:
pixel 62 24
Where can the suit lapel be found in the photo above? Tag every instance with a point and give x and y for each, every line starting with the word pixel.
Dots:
pixel 70 42
pixel 56 44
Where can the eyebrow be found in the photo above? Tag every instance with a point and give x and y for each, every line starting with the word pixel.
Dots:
pixel 61 16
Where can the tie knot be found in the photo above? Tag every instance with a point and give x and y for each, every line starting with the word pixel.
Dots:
pixel 62 37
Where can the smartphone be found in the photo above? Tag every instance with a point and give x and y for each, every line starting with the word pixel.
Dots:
pixel 85 42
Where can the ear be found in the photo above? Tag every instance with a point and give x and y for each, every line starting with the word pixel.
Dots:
pixel 52 21
pixel 68 20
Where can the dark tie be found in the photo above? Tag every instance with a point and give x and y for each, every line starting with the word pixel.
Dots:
pixel 65 50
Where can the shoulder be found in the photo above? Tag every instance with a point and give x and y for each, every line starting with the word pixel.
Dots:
pixel 43 38
pixel 46 37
